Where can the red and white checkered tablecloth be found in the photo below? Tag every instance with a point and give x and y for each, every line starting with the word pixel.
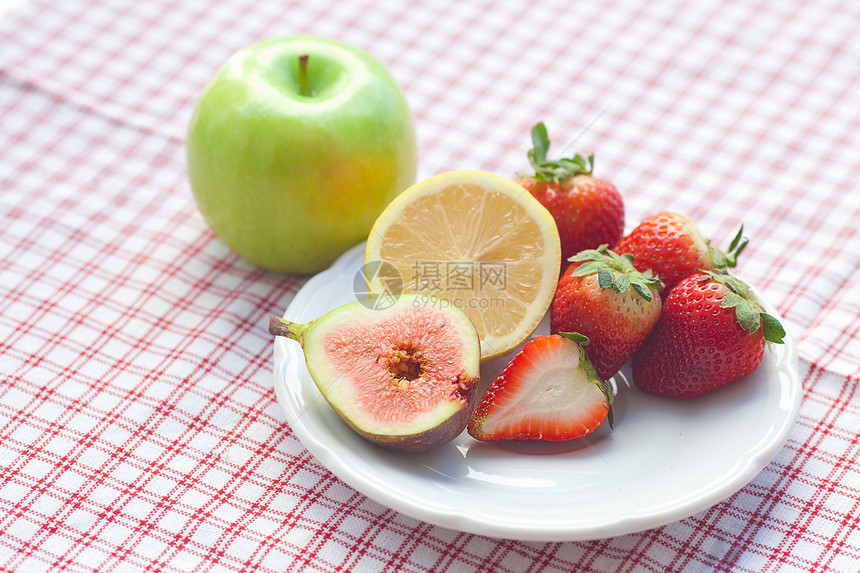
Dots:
pixel 139 429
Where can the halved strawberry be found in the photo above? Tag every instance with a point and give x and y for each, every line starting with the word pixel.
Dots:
pixel 548 392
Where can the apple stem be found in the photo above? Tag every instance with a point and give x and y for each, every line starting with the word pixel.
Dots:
pixel 303 75
pixel 280 327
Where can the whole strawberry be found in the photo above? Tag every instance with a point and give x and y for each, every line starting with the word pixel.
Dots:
pixel 588 211
pixel 548 392
pixel 712 331
pixel 671 245
pixel 602 296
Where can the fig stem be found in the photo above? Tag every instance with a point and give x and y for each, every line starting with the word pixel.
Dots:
pixel 280 327
pixel 303 75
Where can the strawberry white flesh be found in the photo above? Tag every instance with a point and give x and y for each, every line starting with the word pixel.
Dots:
pixel 548 392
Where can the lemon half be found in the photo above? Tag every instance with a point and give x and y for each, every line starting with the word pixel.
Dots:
pixel 474 240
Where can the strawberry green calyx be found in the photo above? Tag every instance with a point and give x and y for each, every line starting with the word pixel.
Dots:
pixel 729 258
pixel 749 313
pixel 559 170
pixel 615 271
pixel 582 341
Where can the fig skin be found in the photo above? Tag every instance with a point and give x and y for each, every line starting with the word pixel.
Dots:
pixel 428 439
pixel 451 335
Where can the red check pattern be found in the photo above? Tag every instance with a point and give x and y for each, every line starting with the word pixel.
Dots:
pixel 138 425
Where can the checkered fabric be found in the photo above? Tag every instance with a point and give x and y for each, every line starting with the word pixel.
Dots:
pixel 139 429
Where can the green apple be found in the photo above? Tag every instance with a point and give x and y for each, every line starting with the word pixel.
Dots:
pixel 295 147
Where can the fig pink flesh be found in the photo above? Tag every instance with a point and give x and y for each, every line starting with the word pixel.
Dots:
pixel 402 366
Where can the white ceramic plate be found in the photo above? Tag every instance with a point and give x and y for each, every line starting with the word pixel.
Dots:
pixel 665 459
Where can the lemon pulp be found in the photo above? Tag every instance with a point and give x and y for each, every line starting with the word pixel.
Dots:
pixel 474 240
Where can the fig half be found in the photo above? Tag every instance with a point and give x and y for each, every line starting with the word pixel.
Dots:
pixel 402 374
